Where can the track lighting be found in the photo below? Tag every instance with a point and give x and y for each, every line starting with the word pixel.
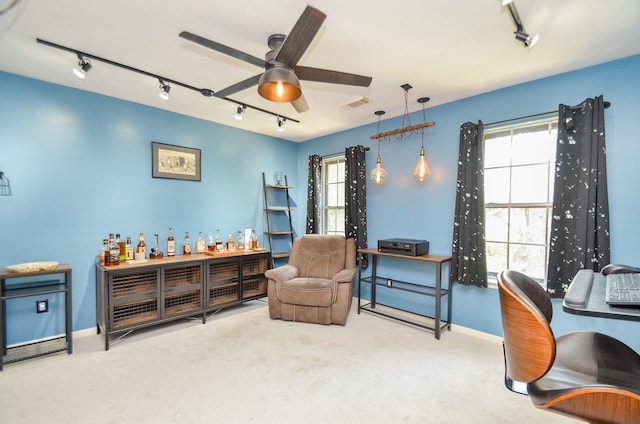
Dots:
pixel 164 89
pixel 520 33
pixel 83 67
pixel 240 113
pixel 281 121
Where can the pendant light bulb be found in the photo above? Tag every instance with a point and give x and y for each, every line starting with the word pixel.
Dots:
pixel 378 174
pixel 422 168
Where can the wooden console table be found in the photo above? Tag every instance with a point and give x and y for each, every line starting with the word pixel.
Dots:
pixel 436 291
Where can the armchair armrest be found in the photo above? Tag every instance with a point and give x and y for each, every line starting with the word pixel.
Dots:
pixel 344 276
pixel 282 273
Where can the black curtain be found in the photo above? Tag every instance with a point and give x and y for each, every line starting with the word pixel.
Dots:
pixel 580 219
pixel 469 261
pixel 313 194
pixel 355 205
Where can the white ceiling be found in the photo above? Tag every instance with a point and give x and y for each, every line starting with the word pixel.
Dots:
pixel 446 49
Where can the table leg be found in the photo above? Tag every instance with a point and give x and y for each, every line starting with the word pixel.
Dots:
pixel 438 298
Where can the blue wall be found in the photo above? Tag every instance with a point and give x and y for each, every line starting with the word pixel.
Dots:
pixel 404 207
pixel 80 168
pixel 80 164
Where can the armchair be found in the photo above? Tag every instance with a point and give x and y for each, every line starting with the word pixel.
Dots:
pixel 316 285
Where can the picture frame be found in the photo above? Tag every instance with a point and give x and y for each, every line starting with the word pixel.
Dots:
pixel 175 162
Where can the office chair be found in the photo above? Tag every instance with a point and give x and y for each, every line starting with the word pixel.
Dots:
pixel 586 375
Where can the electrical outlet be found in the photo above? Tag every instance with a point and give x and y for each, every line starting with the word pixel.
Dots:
pixel 42 306
pixel 389 282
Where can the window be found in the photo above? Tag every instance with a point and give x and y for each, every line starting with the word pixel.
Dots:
pixel 333 196
pixel 518 178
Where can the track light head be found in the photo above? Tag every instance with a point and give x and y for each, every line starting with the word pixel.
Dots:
pixel 281 121
pixel 240 113
pixel 520 33
pixel 164 90
pixel 526 39
pixel 83 67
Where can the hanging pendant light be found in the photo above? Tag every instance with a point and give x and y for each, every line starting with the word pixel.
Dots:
pixel 422 168
pixel 378 174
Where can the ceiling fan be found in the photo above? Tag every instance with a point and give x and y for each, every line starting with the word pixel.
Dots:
pixel 280 80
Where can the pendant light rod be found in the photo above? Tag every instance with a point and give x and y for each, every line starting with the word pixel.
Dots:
pixel 409 130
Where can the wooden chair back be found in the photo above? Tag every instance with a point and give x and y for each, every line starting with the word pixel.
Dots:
pixel 529 343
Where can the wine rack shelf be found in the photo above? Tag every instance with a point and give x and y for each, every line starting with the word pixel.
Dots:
pixel 137 295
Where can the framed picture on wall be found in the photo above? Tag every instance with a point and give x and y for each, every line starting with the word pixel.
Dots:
pixel 176 162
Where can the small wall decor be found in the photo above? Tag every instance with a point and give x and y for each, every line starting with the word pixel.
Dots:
pixel 176 162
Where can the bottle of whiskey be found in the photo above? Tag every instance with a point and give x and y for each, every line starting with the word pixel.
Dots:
pixel 114 251
pixel 129 250
pixel 123 248
pixel 219 245
pixel 201 244
pixel 240 241
pixel 171 244
pixel 253 242
pixel 104 252
pixel 186 244
pixel 230 243
pixel 142 247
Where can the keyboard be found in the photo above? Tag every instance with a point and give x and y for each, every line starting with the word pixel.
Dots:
pixel 623 289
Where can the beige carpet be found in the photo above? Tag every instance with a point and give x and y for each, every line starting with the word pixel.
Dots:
pixel 242 367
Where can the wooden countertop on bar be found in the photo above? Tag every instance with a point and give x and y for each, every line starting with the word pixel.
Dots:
pixel 179 258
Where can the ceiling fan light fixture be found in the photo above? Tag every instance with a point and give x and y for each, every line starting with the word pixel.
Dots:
pixel 164 90
pixel 279 84
pixel 84 65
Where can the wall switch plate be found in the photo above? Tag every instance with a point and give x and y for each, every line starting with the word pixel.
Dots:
pixel 42 306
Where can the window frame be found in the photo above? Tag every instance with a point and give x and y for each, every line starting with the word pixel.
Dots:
pixel 514 129
pixel 325 206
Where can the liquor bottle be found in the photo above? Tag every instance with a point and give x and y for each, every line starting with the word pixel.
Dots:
pixel 230 243
pixel 123 248
pixel 219 245
pixel 114 251
pixel 253 243
pixel 104 249
pixel 142 247
pixel 186 244
pixel 240 241
pixel 129 250
pixel 171 244
pixel 201 245
pixel 155 251
pixel 211 244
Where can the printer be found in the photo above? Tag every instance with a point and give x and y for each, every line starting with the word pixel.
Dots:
pixel 402 246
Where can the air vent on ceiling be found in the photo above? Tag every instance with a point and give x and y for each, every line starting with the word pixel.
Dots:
pixel 359 102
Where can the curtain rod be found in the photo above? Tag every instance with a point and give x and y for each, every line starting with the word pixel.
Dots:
pixel 366 149
pixel 535 115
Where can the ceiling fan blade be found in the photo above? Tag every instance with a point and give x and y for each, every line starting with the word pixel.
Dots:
pixel 242 85
pixel 333 77
pixel 300 37
pixel 221 48
pixel 300 104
